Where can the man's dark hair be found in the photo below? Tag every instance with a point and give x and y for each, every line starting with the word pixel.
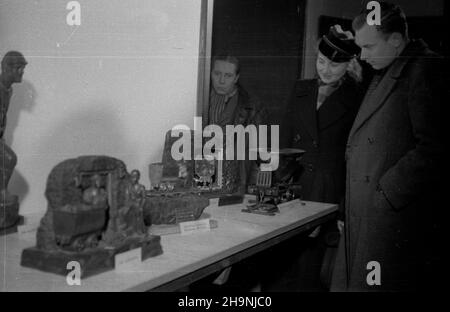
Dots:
pixel 11 58
pixel 228 58
pixel 393 19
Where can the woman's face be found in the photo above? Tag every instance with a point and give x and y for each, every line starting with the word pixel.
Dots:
pixel 329 71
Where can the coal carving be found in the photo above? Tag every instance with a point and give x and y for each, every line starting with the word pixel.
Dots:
pixel 95 211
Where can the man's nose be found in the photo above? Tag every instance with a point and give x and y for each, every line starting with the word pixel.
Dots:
pixel 364 55
pixel 222 79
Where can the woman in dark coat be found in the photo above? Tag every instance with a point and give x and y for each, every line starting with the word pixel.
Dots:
pixel 320 116
pixel 318 121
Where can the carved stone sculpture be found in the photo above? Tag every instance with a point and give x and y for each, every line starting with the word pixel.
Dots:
pixel 13 66
pixel 94 212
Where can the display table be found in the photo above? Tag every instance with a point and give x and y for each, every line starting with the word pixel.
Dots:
pixel 185 258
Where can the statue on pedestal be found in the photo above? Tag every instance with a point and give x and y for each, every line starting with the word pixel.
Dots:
pixel 94 213
pixel 12 66
pixel 131 219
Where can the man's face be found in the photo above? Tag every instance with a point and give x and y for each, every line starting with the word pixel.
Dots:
pixel 16 71
pixel 135 176
pixel 224 77
pixel 329 71
pixel 377 49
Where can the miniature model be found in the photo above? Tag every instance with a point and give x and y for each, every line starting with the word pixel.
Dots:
pixel 131 216
pixel 136 191
pixel 204 175
pixel 173 207
pixel 94 212
pixel 179 197
pixel 184 190
pixel 273 188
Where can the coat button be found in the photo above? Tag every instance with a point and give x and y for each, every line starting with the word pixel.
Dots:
pixel 297 138
pixel 310 167
pixel 315 144
pixel 371 140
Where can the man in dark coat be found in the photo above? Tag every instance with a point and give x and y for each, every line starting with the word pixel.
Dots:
pixel 230 104
pixel 393 154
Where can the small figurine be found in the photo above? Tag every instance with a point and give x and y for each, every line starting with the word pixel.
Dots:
pixel 96 195
pixel 170 187
pixel 182 171
pixel 136 190
pixel 163 187
pixel 131 216
pixel 204 173
pixel 261 196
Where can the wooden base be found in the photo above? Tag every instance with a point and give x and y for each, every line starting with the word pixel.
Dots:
pixel 92 261
pixel 12 228
pixel 231 199
pixel 9 213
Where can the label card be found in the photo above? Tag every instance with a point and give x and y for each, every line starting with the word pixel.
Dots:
pixel 296 203
pixel 127 261
pixel 190 227
pixel 214 202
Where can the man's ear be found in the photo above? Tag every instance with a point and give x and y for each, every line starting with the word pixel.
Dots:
pixel 237 78
pixel 395 39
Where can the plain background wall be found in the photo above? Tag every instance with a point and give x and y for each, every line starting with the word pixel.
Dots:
pixel 349 9
pixel 112 86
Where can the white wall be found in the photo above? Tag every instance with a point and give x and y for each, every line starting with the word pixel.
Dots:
pixel 112 86
pixel 349 9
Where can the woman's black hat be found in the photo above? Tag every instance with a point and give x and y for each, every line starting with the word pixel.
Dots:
pixel 338 46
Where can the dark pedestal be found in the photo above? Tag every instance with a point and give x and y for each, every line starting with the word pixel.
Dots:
pixel 92 262
pixel 9 217
pixel 13 228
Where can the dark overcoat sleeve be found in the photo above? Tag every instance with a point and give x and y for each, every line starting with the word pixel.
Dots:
pixel 417 170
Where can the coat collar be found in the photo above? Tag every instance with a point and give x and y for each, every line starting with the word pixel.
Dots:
pixel 337 104
pixel 331 110
pixel 5 89
pixel 374 101
pixel 231 112
pixel 414 49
